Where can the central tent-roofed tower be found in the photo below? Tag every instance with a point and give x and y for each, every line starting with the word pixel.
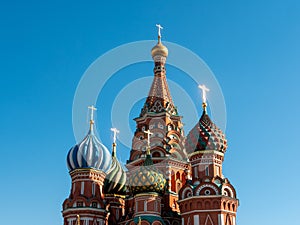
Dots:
pixel 160 116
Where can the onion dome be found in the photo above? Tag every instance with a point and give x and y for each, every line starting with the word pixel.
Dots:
pixel 115 180
pixel 159 49
pixel 205 136
pixel 89 153
pixel 147 178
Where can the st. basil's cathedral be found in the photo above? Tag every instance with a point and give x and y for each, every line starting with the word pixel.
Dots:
pixel 170 178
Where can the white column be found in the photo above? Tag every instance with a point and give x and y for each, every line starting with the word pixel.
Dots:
pixel 220 219
pixel 70 221
pixel 196 220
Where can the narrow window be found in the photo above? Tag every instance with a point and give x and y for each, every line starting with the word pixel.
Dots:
pixel 206 171
pixel 117 214
pixel 82 188
pixel 93 189
pixel 79 204
pixel 196 172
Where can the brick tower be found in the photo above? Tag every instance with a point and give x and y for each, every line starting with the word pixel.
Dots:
pixel 160 116
pixel 207 198
pixel 147 184
pixel 88 162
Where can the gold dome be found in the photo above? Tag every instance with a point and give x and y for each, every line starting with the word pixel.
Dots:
pixel 147 178
pixel 159 49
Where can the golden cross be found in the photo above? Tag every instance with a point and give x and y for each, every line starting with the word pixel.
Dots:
pixel 92 108
pixel 159 28
pixel 140 221
pixel 115 133
pixel 148 132
pixel 204 90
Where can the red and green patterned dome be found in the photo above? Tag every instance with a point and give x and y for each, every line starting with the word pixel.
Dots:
pixel 147 178
pixel 205 136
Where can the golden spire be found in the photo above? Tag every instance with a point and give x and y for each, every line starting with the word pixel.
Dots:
pixel 78 219
pixel 115 139
pixel 204 90
pixel 140 221
pixel 92 108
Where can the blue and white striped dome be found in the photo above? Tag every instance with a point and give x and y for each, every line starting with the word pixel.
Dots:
pixel 89 153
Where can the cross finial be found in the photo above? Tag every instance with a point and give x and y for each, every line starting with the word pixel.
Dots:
pixel 204 90
pixel 159 29
pixel 92 108
pixel 148 132
pixel 140 221
pixel 116 131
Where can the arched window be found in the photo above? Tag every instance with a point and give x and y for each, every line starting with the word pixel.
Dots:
pixel 156 154
pixel 173 182
pixel 93 188
pixel 177 175
pixel 178 186
pixel 206 171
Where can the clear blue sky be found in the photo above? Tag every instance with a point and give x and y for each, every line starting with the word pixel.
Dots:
pixel 251 46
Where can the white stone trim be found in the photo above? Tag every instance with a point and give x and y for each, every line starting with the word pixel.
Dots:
pixel 220 219
pixel 184 192
pixel 208 218
pixel 230 190
pixel 233 220
pixel 207 210
pixel 83 209
pixel 205 186
pixel 146 214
